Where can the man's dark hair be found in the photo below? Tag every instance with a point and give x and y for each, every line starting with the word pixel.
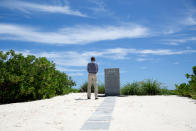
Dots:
pixel 92 58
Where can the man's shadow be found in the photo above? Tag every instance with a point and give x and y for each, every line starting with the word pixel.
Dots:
pixel 99 95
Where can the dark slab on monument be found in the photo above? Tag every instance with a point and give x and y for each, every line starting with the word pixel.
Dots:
pixel 112 81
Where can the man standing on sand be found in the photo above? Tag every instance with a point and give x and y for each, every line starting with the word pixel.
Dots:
pixel 92 69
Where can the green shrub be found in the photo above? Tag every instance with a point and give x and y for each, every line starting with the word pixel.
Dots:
pixel 83 87
pixel 74 90
pixel 183 89
pixel 146 87
pixel 101 88
pixel 165 91
pixel 131 89
pixel 30 78
pixel 151 87
pixel 188 89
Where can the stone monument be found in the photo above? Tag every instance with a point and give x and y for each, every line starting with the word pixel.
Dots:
pixel 112 81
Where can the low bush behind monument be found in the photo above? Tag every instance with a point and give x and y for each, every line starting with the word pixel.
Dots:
pixel 145 87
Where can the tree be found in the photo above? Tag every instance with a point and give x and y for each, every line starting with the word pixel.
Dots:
pixel 188 89
pixel 192 78
pixel 30 78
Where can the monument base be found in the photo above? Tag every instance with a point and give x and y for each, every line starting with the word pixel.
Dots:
pixel 112 81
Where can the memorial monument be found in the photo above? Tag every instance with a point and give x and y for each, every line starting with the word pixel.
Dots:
pixel 112 81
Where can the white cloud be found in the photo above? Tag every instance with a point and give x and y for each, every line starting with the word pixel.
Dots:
pixel 179 41
pixel 166 52
pixel 100 6
pixel 125 51
pixel 188 48
pixel 69 58
pixel 169 31
pixel 143 59
pixel 65 69
pixel 28 7
pixel 75 74
pixel 190 21
pixel 77 59
pixel 74 35
pixel 189 18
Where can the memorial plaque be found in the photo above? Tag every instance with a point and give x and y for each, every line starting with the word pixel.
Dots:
pixel 112 81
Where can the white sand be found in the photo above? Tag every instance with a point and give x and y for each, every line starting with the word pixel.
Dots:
pixel 61 113
pixel 154 113
pixel 70 112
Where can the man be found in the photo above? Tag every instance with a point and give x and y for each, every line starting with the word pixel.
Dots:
pixel 92 69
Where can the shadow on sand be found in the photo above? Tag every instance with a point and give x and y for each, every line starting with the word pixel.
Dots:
pixel 99 95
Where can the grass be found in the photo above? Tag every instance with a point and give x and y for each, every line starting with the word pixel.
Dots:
pixel 146 87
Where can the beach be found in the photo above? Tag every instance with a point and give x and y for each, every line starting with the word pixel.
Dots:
pixel 128 113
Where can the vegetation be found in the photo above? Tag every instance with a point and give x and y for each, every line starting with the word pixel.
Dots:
pixel 75 90
pixel 26 78
pixel 101 88
pixel 188 89
pixel 146 87
pixel 30 78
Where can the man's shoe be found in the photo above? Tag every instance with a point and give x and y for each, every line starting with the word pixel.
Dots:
pixel 89 98
pixel 96 98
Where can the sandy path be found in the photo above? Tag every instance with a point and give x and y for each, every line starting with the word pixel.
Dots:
pixel 71 112
pixel 61 113
pixel 154 113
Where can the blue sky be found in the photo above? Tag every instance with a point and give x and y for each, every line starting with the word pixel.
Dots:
pixel 153 39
